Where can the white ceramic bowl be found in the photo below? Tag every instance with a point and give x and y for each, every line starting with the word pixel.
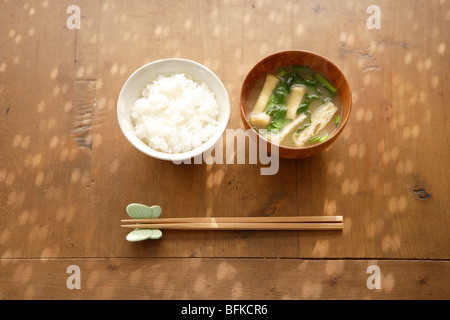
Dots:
pixel 132 91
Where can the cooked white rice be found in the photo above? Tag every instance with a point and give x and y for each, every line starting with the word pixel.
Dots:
pixel 175 114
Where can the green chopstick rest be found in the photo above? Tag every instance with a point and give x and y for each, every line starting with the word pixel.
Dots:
pixel 140 211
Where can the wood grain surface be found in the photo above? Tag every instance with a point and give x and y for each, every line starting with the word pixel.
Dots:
pixel 67 173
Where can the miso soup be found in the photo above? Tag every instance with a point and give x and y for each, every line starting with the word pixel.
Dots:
pixel 295 107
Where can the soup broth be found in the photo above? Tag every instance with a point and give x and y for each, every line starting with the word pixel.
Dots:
pixel 295 107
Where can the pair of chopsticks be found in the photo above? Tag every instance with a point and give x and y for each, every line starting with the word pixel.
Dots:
pixel 240 223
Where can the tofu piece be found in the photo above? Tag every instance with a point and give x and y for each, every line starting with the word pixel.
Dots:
pixel 259 120
pixel 266 93
pixel 291 126
pixel 319 120
pixel 294 100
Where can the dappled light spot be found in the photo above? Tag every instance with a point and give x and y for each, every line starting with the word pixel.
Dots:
pixel 158 30
pixel 359 114
pixel 334 267
pixel 210 180
pixel 413 98
pixel 89 70
pixel 11 198
pixel 64 155
pixel 402 203
pixel 114 69
pixel 434 81
pixel 114 166
pixel 390 243
pixel 362 150
pixel 415 132
pixel 393 204
pixel 80 72
pixel 75 176
pixel 17 140
pixel 441 48
pixel 36 160
pixel 330 207
pixel 39 179
pixel 25 142
pixel 336 167
pixel 345 187
pixel 368 116
pixel 263 49
pixel 372 46
pixel 300 30
pixel 187 24
pixel 312 289
pixel 22 218
pixel 216 31
pixel 53 142
pixel 350 39
pixel 123 70
pixel 354 187
pixel 347 133
pixel 400 168
pixel 225 271
pixel 40 107
pixel 367 79
pixel 56 90
pixel 97 140
pixel 68 106
pixel 92 279
pixel 4 236
pixel 409 167
pixel 388 282
pixel 376 228
pixel 54 73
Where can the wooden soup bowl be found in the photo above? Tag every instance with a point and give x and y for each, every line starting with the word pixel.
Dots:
pixel 287 59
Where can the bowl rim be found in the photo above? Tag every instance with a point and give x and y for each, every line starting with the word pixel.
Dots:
pixel 207 145
pixel 330 139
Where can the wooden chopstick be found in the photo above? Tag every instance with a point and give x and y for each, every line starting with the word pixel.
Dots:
pixel 242 226
pixel 297 219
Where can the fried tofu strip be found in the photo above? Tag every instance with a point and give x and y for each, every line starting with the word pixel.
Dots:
pixel 294 100
pixel 319 120
pixel 266 93
pixel 259 120
pixel 291 126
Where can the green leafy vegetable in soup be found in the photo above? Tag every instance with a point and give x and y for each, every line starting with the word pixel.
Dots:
pixel 295 106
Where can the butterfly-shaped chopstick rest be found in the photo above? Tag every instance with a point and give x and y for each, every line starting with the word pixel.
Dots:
pixel 140 211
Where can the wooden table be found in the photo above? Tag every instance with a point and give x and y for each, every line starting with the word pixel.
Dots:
pixel 67 173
